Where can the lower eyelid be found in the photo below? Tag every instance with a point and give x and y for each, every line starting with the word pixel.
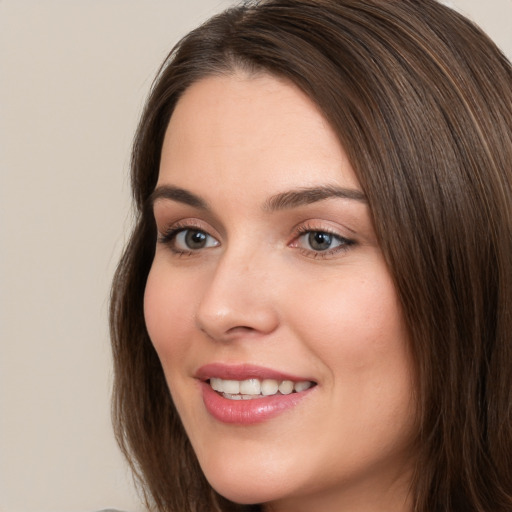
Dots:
pixel 328 253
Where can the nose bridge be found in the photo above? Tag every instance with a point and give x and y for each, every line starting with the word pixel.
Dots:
pixel 238 297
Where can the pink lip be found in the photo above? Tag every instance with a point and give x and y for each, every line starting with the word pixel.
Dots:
pixel 246 412
pixel 242 372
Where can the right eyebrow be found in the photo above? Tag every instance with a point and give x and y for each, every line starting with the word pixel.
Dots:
pixel 177 194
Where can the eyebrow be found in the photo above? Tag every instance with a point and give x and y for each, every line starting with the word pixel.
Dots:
pixel 304 196
pixel 282 201
pixel 177 194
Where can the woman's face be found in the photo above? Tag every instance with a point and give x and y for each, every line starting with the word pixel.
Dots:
pixel 271 308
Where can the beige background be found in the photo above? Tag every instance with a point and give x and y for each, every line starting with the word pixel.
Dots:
pixel 73 77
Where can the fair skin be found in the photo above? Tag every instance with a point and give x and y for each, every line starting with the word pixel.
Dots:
pixel 292 285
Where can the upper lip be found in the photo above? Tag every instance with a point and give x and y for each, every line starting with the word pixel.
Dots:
pixel 244 372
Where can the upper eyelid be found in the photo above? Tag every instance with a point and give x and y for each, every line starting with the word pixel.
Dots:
pixel 183 224
pixel 330 232
pixel 166 220
pixel 325 226
pixel 160 203
pixel 166 212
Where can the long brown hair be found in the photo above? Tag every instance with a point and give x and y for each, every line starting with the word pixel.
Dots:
pixel 421 101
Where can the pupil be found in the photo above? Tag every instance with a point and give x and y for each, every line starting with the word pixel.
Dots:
pixel 195 239
pixel 320 241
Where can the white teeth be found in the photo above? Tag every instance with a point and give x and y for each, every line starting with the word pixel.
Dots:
pixel 269 387
pixel 250 387
pixel 302 386
pixel 216 384
pixel 231 386
pixel 232 397
pixel 286 387
pixel 254 388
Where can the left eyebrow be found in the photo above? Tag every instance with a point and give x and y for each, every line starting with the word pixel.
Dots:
pixel 304 196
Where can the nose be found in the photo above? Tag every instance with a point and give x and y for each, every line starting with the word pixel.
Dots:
pixel 238 300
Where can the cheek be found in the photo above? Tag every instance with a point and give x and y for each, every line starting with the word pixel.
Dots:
pixel 359 334
pixel 166 308
pixel 169 305
pixel 356 318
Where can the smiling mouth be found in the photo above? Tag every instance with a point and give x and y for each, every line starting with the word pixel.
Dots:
pixel 251 389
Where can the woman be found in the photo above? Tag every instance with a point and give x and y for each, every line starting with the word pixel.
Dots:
pixel 313 312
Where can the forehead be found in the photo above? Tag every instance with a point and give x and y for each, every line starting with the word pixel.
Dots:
pixel 251 130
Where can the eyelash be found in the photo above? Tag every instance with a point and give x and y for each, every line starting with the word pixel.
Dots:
pixel 168 238
pixel 344 243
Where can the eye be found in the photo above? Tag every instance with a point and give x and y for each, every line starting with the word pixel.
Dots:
pixel 318 243
pixel 186 240
pixel 320 240
pixel 193 239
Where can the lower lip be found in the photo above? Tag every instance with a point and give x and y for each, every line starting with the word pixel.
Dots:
pixel 247 412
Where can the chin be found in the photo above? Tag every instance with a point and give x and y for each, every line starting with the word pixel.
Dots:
pixel 247 487
pixel 243 493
